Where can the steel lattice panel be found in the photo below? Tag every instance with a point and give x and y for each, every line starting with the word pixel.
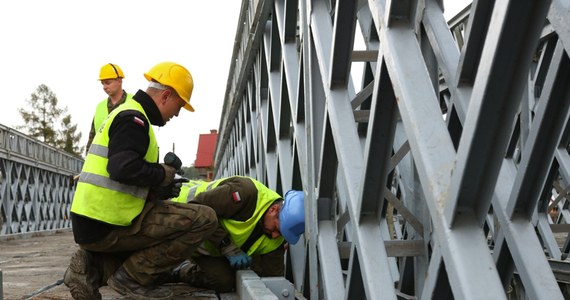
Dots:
pixel 36 185
pixel 431 170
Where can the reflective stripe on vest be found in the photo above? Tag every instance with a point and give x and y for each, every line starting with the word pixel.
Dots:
pixel 99 197
pixel 188 191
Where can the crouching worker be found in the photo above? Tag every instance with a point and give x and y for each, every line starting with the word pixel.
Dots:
pixel 255 223
pixel 128 236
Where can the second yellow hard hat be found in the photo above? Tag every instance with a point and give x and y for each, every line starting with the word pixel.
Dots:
pixel 110 71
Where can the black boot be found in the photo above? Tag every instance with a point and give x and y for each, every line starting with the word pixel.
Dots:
pixel 174 275
pixel 125 285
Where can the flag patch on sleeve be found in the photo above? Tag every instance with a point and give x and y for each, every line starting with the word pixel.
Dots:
pixel 236 197
pixel 138 120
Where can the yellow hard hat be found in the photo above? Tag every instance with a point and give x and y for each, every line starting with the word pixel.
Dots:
pixel 110 71
pixel 175 76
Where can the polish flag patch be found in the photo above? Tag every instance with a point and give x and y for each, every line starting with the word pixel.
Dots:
pixel 236 197
pixel 138 120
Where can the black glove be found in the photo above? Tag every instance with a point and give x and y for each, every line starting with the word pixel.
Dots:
pixel 170 191
pixel 169 174
pixel 174 161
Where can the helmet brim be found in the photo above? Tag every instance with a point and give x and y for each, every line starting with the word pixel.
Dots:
pixel 290 237
pixel 188 107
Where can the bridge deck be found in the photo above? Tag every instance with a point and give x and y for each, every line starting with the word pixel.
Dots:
pixel 33 266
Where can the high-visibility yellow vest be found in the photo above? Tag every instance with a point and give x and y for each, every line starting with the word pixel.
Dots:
pixel 99 197
pixel 183 197
pixel 239 231
pixel 101 112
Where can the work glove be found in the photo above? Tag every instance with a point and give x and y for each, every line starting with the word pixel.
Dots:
pixel 174 161
pixel 170 191
pixel 169 173
pixel 237 258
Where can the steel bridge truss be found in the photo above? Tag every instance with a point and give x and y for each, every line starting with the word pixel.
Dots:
pixel 433 155
pixel 36 184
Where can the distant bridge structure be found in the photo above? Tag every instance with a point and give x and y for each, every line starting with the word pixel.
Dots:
pixel 36 184
pixel 434 155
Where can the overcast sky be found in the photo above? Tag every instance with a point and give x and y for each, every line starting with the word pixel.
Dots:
pixel 63 44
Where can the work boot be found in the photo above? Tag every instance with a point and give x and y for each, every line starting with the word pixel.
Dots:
pixel 125 285
pixel 174 275
pixel 82 277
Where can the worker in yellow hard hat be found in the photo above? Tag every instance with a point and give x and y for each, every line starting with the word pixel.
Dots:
pixel 111 78
pixel 118 212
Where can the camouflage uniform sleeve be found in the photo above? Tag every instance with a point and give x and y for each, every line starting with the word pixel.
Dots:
pixel 91 136
pixel 234 198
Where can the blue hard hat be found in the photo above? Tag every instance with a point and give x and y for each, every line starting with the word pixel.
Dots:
pixel 292 216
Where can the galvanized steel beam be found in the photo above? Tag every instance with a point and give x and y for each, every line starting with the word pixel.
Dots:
pixel 429 152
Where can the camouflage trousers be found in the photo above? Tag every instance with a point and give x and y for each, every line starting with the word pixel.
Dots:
pixel 159 239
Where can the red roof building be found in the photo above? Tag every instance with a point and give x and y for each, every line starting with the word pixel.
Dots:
pixel 205 157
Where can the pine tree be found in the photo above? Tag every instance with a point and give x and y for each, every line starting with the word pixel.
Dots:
pixel 40 121
pixel 69 137
pixel 42 115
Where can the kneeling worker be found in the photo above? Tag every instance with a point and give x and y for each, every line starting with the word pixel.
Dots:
pixel 255 223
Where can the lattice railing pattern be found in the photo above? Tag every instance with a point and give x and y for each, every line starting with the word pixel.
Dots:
pixel 431 170
pixel 36 184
